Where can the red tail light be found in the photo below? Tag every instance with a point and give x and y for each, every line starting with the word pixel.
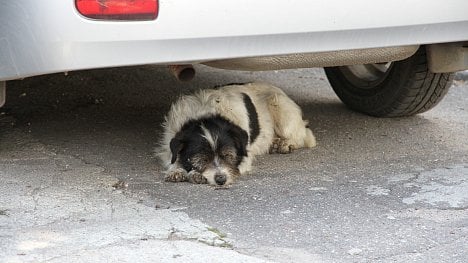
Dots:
pixel 118 9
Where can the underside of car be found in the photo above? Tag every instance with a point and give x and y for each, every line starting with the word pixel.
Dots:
pixel 381 82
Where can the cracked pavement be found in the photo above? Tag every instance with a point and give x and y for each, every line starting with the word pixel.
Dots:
pixel 80 183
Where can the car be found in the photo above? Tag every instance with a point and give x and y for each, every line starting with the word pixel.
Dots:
pixel 386 59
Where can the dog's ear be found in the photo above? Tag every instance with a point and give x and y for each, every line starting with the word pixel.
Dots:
pixel 175 146
pixel 241 139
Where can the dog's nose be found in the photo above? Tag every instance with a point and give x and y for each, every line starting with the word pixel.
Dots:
pixel 220 179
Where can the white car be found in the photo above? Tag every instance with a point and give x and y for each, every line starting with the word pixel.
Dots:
pixel 383 58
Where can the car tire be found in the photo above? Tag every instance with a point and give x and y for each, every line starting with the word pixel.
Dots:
pixel 394 89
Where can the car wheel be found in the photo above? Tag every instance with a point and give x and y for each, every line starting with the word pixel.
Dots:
pixel 393 89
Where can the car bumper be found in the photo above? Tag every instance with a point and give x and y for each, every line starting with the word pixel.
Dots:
pixel 48 36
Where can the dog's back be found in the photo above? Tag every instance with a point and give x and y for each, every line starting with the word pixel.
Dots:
pixel 278 114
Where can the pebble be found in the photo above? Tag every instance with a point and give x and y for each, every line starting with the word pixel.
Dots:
pixel 354 251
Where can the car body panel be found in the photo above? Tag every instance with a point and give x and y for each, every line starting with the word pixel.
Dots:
pixel 47 36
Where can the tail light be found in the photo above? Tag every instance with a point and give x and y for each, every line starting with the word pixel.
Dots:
pixel 118 9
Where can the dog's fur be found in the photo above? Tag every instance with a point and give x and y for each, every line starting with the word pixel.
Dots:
pixel 213 135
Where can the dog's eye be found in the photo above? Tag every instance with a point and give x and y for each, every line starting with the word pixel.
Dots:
pixel 202 160
pixel 198 162
pixel 227 156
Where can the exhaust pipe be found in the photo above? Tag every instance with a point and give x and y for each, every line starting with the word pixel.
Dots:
pixel 183 72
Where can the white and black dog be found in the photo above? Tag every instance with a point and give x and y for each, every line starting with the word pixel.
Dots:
pixel 213 135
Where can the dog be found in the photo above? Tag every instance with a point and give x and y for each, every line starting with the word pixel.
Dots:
pixel 213 135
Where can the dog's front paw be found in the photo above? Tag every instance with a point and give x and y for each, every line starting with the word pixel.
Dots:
pixel 196 178
pixel 176 175
pixel 280 145
pixel 287 148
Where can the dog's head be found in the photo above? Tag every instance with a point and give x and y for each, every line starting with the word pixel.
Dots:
pixel 212 146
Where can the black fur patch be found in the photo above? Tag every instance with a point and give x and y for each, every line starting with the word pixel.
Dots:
pixel 253 118
pixel 189 141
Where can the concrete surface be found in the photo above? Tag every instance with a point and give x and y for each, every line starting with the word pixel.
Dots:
pixel 80 184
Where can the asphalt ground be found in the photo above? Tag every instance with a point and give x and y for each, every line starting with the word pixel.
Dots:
pixel 373 190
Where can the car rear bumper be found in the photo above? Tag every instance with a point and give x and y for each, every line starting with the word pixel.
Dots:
pixel 47 36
